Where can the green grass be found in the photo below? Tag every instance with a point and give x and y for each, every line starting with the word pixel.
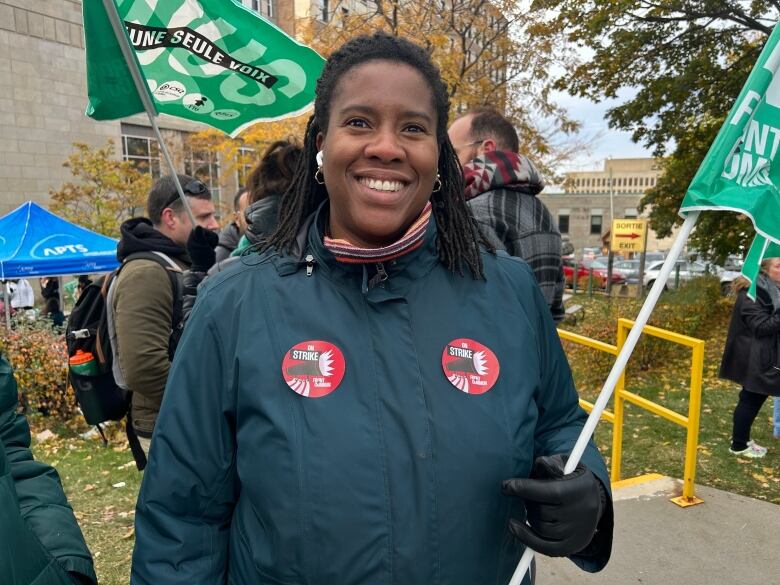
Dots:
pixel 89 473
pixel 650 444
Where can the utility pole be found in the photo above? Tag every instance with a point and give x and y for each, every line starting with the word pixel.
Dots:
pixel 611 195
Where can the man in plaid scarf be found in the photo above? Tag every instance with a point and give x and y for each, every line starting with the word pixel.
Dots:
pixel 501 189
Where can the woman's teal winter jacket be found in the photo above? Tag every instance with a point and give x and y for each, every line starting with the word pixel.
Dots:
pixel 40 541
pixel 392 478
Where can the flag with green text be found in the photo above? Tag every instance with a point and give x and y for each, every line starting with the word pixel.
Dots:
pixel 739 172
pixel 209 61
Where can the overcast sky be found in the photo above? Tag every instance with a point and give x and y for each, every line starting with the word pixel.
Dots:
pixel 609 142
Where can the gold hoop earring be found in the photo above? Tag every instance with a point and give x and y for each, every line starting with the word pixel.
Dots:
pixel 319 177
pixel 436 188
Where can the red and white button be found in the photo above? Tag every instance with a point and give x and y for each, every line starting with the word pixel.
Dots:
pixel 313 368
pixel 470 366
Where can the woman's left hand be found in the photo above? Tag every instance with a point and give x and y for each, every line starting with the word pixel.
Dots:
pixel 563 510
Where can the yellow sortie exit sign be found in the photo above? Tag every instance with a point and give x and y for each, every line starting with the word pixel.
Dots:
pixel 628 235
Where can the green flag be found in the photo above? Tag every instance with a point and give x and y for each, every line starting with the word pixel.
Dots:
pixel 109 83
pixel 209 61
pixel 739 172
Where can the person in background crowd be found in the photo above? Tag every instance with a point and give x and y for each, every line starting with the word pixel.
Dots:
pixel 501 189
pixel 374 398
pixel 40 541
pixel 232 232
pixel 50 288
pixel 52 311
pixel 776 430
pixel 750 357
pixel 83 282
pixel 142 295
pixel 268 181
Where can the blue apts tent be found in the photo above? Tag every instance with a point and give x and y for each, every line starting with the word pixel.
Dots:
pixel 35 242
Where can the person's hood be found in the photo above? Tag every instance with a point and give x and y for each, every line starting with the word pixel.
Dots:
pixel 229 236
pixel 262 218
pixel 501 169
pixel 138 235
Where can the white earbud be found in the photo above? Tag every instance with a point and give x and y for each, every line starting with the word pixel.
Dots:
pixel 319 158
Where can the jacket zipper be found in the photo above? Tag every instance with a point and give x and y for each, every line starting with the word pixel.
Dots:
pixel 379 277
pixel 309 264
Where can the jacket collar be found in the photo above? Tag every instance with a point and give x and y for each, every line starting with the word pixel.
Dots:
pixel 312 255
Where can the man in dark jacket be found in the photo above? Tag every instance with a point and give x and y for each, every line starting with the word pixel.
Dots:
pixel 501 189
pixel 142 296
pixel 40 541
pixel 231 234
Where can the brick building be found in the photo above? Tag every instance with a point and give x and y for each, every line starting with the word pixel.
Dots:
pixel 582 205
pixel 43 98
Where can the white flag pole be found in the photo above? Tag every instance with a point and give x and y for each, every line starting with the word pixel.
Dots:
pixel 143 93
pixel 617 369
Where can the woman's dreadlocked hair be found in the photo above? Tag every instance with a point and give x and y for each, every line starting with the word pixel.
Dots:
pixel 458 234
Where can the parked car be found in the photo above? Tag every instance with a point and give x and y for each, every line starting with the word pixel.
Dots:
pixel 651 257
pixel 727 278
pixel 583 273
pixel 629 269
pixel 733 263
pixel 687 270
pixel 588 254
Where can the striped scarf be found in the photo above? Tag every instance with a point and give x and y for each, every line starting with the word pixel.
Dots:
pixel 501 169
pixel 411 240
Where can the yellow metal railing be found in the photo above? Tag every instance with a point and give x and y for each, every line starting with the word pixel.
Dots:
pixel 621 396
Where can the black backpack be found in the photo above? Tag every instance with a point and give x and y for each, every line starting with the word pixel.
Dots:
pixel 99 396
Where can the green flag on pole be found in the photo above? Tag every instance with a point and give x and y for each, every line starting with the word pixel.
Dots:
pixel 209 61
pixel 109 83
pixel 739 172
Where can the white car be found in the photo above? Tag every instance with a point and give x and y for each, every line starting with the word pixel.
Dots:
pixel 687 270
pixel 727 277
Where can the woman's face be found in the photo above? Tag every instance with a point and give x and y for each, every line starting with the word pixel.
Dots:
pixel 773 271
pixel 380 152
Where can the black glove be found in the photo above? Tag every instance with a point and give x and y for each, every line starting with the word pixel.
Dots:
pixel 563 510
pixel 200 247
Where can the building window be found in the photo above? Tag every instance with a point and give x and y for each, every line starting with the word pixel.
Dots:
pixel 140 147
pixel 203 165
pixel 245 163
pixel 630 213
pixel 595 224
pixel 563 223
pixel 264 7
pixel 322 10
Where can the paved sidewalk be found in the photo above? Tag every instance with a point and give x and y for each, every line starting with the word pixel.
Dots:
pixel 727 540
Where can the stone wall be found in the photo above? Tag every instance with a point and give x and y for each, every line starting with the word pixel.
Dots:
pixel 581 207
pixel 42 98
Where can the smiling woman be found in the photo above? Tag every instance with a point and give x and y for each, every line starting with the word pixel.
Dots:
pixel 380 152
pixel 347 403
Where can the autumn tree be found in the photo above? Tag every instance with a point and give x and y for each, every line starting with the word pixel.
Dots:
pixel 684 62
pixel 245 151
pixel 487 53
pixel 106 191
